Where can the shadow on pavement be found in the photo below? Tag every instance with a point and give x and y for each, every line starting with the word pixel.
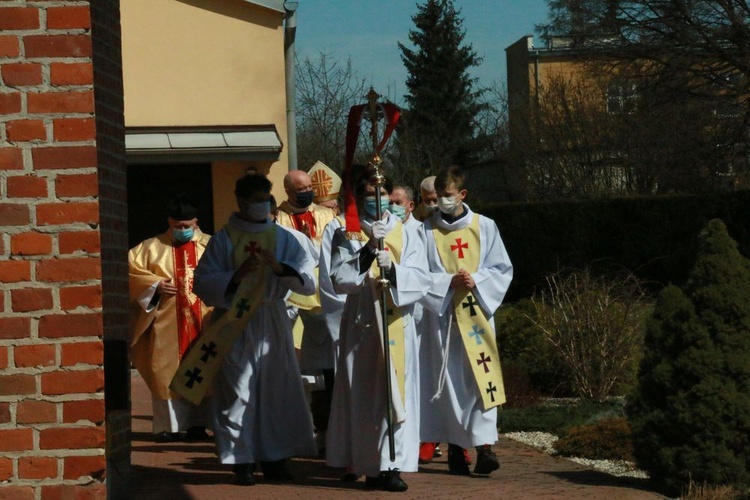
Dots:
pixel 596 478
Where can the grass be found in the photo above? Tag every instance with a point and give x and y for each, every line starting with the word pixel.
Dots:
pixel 555 417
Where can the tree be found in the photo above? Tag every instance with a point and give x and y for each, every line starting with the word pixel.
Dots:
pixel 438 126
pixel 693 53
pixel 325 91
pixel 690 414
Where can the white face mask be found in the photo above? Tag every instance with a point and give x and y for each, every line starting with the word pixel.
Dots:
pixel 255 211
pixel 447 204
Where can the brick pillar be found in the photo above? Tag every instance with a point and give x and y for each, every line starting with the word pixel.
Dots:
pixel 63 303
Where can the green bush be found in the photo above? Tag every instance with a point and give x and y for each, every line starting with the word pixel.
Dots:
pixel 523 348
pixel 595 324
pixel 690 414
pixel 604 440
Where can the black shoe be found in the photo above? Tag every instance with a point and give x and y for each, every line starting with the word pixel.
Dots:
pixel 244 474
pixel 372 482
pixel 349 477
pixel 167 437
pixel 486 460
pixel 456 461
pixel 197 434
pixel 390 480
pixel 276 470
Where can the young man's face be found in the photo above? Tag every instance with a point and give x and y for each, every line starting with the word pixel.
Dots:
pixel 451 191
pixel 370 191
pixel 258 197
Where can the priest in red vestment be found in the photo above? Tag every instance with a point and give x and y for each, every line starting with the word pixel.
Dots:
pixel 167 316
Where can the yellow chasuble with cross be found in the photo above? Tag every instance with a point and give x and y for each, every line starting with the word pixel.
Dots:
pixel 203 361
pixel 394 244
pixel 460 249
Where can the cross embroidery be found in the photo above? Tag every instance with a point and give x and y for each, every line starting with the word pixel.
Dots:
pixel 242 307
pixel 193 377
pixel 470 303
pixel 460 247
pixel 209 351
pixel 483 361
pixel 476 332
pixel 252 248
pixel 491 390
pixel 322 183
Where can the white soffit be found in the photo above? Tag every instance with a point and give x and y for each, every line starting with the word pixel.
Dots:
pixel 214 144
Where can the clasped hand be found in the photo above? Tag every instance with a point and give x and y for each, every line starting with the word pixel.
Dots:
pixel 253 263
pixel 463 279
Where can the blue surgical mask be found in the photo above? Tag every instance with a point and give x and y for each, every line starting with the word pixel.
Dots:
pixel 398 211
pixel 256 211
pixel 305 198
pixel 371 207
pixel 183 235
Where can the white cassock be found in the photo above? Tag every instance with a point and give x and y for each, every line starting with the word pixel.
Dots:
pixel 259 411
pixel 331 302
pixel 357 431
pixel 457 415
pixel 415 225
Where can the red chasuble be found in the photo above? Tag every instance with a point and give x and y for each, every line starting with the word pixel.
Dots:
pixel 189 314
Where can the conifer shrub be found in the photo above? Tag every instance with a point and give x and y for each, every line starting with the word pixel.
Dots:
pixel 603 440
pixel 690 413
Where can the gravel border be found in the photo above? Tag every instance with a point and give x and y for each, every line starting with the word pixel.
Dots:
pixel 544 441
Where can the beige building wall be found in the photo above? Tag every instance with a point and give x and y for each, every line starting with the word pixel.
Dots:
pixel 206 63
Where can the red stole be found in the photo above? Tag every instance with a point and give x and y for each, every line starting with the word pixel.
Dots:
pixel 189 315
pixel 304 219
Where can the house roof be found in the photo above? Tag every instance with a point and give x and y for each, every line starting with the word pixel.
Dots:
pixel 277 5
pixel 179 144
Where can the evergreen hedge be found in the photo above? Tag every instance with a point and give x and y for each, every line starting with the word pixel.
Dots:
pixel 690 414
pixel 654 237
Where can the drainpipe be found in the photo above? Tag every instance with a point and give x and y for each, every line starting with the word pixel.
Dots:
pixel 290 30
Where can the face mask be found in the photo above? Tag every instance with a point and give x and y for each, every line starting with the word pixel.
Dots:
pixel 255 211
pixel 398 211
pixel 430 208
pixel 371 205
pixel 305 198
pixel 447 204
pixel 183 235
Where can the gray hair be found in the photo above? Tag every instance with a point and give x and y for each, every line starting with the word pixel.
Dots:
pixel 428 184
pixel 409 192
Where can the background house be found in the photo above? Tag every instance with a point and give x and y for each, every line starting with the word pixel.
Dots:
pixel 205 100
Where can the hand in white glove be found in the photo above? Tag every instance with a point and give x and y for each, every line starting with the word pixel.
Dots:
pixel 384 259
pixel 378 230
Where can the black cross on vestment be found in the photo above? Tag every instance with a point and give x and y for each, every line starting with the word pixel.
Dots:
pixel 243 306
pixel 193 377
pixel 470 303
pixel 209 351
pixel 491 390
pixel 483 361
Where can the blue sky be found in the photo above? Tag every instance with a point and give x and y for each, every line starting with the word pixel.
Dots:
pixel 368 32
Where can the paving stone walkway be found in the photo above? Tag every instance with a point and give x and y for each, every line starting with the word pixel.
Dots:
pixel 181 470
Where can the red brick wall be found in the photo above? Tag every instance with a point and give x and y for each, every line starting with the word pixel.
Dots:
pixel 62 248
